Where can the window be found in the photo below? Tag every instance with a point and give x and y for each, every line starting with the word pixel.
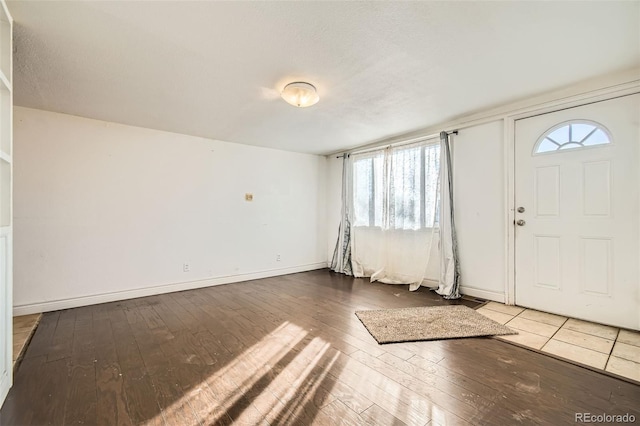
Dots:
pixel 572 135
pixel 397 188
pixel 367 189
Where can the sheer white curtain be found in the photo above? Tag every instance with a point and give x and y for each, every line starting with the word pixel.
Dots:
pixel 396 213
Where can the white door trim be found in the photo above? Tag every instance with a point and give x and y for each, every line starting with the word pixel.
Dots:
pixel 509 150
pixel 510 171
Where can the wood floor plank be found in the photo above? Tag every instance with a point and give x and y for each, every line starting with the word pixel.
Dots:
pixel 142 405
pixel 129 357
pixel 174 404
pixel 207 406
pixel 40 343
pixel 337 413
pixel 444 402
pixel 375 415
pixel 17 406
pixel 238 407
pixel 324 318
pixel 111 406
pixel 288 351
pixel 171 320
pixel 346 344
pixel 62 341
pixel 481 400
pixel 247 368
pixel 52 388
pixel 81 406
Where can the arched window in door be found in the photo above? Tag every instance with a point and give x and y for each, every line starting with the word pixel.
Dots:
pixel 572 135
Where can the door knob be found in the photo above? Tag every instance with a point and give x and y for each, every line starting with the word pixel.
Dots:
pixel 521 222
pixel 520 209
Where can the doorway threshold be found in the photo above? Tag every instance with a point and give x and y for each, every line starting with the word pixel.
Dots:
pixel 23 328
pixel 599 347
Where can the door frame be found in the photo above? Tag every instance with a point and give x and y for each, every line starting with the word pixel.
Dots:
pixel 613 92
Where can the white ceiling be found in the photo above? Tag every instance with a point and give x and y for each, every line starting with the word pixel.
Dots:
pixel 214 69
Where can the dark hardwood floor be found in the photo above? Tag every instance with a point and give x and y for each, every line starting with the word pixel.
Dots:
pixel 287 350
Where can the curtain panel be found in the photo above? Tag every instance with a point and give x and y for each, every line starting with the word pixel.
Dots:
pixel 449 282
pixel 341 261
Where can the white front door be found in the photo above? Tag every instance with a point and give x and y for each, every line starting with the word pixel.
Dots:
pixel 577 186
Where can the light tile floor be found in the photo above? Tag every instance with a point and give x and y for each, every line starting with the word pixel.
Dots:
pixel 23 328
pixel 600 346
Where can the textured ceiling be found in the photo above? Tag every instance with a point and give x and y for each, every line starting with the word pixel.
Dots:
pixel 214 69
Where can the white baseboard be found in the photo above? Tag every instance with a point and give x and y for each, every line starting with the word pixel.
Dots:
pixel 483 294
pixel 468 291
pixel 55 305
pixel 430 283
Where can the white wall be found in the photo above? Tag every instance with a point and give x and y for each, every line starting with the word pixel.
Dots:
pixel 480 214
pixel 334 204
pixel 105 211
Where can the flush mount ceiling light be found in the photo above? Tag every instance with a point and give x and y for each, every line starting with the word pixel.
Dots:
pixel 300 94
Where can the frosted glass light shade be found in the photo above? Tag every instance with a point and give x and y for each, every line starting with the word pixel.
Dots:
pixel 300 94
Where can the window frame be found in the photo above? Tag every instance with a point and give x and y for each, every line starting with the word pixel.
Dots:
pixel 546 133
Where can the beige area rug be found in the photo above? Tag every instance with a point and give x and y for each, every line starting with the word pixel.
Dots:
pixel 429 323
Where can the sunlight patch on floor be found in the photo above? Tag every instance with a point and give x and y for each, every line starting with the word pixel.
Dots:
pixel 273 379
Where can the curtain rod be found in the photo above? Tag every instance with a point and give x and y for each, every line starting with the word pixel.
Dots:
pixel 406 142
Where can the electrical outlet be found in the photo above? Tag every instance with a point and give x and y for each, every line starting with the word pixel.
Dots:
pixel 277 258
pixel 186 267
pixel 248 197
